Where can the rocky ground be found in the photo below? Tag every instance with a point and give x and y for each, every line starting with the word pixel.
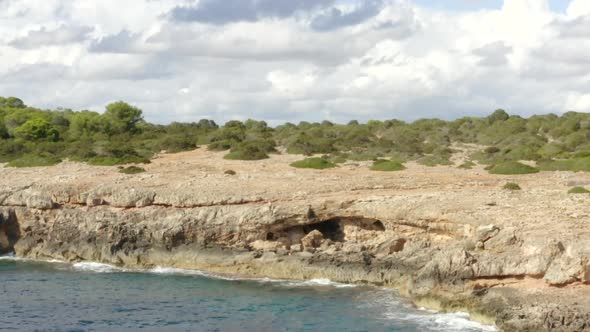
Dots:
pixel 444 236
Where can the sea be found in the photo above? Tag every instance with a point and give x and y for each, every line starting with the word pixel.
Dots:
pixel 58 296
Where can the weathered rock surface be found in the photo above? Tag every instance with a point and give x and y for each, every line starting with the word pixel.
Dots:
pixel 432 233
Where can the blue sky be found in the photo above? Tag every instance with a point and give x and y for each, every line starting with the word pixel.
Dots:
pixel 467 5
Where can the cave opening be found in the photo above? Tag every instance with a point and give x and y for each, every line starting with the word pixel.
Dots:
pixel 331 229
pixel 378 225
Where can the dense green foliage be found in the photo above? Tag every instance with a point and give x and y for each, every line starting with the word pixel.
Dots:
pixel 511 186
pixel 387 165
pixel 314 163
pixel 31 136
pixel 578 190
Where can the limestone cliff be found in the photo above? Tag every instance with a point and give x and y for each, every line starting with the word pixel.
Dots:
pixel 439 235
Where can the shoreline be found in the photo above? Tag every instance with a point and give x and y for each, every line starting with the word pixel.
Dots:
pixel 424 305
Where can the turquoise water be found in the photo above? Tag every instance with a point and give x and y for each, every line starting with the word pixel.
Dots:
pixel 94 297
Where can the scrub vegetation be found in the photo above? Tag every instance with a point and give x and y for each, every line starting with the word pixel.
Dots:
pixel 34 137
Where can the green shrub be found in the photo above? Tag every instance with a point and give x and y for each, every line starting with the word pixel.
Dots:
pixel 578 190
pixel 467 165
pixel 10 150
pixel 230 172
pixel 574 165
pixel 511 186
pixel 314 163
pixel 435 160
pixel 132 170
pixel 112 161
pixel 251 150
pixel 512 167
pixel 177 143
pixel 491 150
pixel 363 156
pixel 387 166
pixel 307 145
pixel 221 145
pixel 32 160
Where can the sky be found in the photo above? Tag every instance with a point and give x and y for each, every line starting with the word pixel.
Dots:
pixel 298 60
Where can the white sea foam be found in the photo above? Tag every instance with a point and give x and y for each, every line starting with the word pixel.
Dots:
pixel 317 282
pixel 14 258
pixel 171 270
pixel 96 267
pixel 427 319
pixel 444 322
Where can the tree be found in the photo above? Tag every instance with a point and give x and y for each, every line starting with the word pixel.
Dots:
pixel 85 124
pixel 498 115
pixel 122 118
pixel 37 129
pixel 12 102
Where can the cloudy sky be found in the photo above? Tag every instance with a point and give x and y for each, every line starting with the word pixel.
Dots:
pixel 293 60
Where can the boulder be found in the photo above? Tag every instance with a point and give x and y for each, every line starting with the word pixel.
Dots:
pixel 266 245
pixel 564 270
pixel 132 198
pixel 390 246
pixel 486 232
pixel 40 202
pixel 312 240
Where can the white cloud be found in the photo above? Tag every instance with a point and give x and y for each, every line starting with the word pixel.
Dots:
pixel 578 8
pixel 286 61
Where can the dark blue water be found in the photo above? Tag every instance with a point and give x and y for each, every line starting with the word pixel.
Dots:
pixel 93 297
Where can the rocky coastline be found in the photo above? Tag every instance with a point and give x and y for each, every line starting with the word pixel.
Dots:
pixel 444 237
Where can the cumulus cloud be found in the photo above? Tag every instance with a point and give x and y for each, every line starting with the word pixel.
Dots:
pixel 123 42
pixel 335 18
pixel 493 54
pixel 287 60
pixel 226 11
pixel 59 36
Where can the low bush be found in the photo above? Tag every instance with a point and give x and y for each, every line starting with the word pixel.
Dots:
pixel 253 150
pixel 131 170
pixel 511 167
pixel 177 143
pixel 220 145
pixel 230 172
pixel 387 166
pixel 31 160
pixel 575 165
pixel 435 160
pixel 314 163
pixel 578 190
pixel 491 150
pixel 511 186
pixel 467 165
pixel 112 161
